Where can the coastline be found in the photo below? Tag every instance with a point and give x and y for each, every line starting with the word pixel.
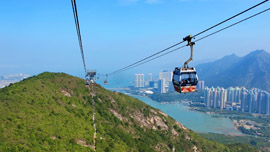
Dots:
pixel 216 115
pixel 186 107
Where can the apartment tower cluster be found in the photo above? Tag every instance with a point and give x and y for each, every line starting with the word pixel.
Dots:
pixel 238 99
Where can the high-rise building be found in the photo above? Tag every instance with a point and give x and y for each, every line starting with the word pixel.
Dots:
pixel 139 80
pixel 219 97
pixel 150 77
pixel 167 76
pixel 212 97
pixel 171 88
pixel 200 85
pixel 237 95
pixel 207 94
pixel 151 84
pixel 230 96
pixel 156 85
pixel 216 98
pixel 250 101
pixel 254 106
pixel 161 86
pixel 260 101
pixel 268 104
pixel 244 101
pixel 264 104
pixel 223 96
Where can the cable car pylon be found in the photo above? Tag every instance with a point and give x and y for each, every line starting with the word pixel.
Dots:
pixel 90 77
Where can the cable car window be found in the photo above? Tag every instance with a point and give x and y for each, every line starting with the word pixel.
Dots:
pixel 192 77
pixel 184 76
pixel 176 77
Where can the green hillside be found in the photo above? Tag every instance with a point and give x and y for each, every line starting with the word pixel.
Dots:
pixel 53 112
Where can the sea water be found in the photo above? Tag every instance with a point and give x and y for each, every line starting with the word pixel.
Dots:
pixel 194 120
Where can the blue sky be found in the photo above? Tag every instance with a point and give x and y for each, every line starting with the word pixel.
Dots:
pixel 37 36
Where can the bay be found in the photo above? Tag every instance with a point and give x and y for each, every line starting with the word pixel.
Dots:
pixel 194 120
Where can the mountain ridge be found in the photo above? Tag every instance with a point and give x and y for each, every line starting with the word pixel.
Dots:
pixel 251 71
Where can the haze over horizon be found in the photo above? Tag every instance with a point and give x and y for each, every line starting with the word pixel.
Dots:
pixel 39 36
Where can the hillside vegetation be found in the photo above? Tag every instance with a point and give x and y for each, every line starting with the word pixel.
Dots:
pixel 53 112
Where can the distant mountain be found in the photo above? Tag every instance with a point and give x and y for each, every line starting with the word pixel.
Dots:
pixel 252 70
pixel 53 112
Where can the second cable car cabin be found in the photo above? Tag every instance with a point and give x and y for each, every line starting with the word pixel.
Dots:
pixel 86 84
pixel 106 80
pixel 185 79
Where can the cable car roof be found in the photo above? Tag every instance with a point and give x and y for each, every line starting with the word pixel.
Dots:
pixel 188 70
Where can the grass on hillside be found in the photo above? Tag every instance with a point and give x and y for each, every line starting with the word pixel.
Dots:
pixel 53 112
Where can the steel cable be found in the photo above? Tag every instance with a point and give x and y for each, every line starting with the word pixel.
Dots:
pixel 75 13
pixel 147 59
pixel 197 40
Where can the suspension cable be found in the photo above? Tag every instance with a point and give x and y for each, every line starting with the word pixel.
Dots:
pixel 147 59
pixel 75 13
pixel 231 18
pixel 197 40
pixel 153 58
pixel 233 24
pixel 127 67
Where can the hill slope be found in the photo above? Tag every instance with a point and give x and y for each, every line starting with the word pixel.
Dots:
pixel 53 112
pixel 252 70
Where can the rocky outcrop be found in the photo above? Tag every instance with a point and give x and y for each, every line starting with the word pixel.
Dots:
pixel 150 122
pixel 65 93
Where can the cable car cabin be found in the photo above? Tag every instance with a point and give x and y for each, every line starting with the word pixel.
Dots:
pixel 185 80
pixel 86 84
pixel 106 82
